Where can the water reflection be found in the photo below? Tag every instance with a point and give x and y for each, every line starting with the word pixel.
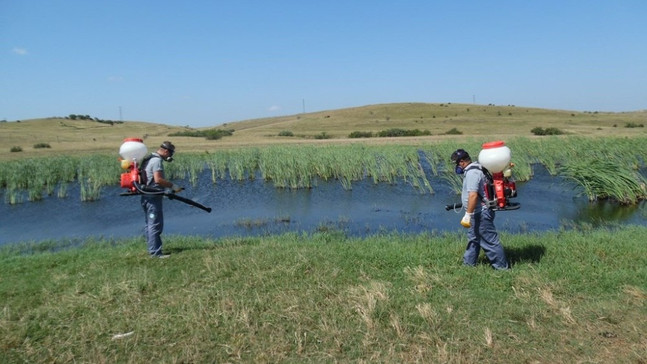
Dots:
pixel 605 211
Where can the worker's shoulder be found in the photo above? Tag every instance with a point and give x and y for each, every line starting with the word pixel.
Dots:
pixel 475 167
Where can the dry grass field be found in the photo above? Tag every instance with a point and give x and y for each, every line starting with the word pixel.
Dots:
pixel 65 136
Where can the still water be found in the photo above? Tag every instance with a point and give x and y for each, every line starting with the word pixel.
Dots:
pixel 256 207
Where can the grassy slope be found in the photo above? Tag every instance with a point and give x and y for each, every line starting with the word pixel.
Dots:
pixel 437 118
pixel 74 136
pixel 571 297
pixel 69 137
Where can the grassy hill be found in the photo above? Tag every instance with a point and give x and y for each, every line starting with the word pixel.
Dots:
pixel 439 119
pixel 65 136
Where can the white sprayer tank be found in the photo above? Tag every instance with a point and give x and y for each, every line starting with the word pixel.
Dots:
pixel 495 156
pixel 133 149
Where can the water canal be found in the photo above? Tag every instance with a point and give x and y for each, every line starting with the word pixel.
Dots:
pixel 256 207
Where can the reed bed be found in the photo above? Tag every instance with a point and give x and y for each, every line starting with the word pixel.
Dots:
pixel 607 179
pixel 37 177
pixel 605 168
pixel 95 172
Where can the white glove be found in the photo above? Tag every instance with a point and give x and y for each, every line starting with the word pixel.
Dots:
pixel 176 188
pixel 467 220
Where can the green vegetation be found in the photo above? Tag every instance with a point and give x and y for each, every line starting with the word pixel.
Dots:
pixel 286 133
pixel 634 125
pixel 40 176
pixel 397 132
pixel 604 179
pixel 88 117
pixel 300 166
pixel 389 133
pixel 453 131
pixel 15 149
pixel 572 296
pixel 209 134
pixel 323 135
pixel 361 134
pixel 547 131
pixel 41 145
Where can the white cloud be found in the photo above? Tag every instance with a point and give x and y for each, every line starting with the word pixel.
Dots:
pixel 19 51
pixel 274 108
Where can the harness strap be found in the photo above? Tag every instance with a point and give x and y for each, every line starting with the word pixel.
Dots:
pixel 488 182
pixel 142 166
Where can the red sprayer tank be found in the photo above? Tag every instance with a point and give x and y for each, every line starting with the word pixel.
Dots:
pixel 495 156
pixel 132 152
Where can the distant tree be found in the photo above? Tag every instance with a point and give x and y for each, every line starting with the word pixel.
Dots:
pixel 215 134
pixel 396 132
pixel 361 134
pixel 547 131
pixel 209 134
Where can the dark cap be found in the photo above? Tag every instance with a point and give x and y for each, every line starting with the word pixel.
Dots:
pixel 168 146
pixel 459 155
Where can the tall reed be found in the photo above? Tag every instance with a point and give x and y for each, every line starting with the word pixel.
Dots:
pixel 95 172
pixel 607 178
pixel 301 166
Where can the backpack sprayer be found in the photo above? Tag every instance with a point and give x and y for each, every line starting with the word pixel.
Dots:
pixel 500 187
pixel 133 153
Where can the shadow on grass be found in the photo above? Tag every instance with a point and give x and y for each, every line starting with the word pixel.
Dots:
pixel 175 247
pixel 179 249
pixel 527 254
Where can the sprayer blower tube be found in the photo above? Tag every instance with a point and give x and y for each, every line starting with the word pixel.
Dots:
pixel 171 196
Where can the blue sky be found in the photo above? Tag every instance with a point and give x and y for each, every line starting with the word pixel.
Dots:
pixel 204 63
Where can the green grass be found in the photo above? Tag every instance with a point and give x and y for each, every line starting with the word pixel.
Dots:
pixel 572 296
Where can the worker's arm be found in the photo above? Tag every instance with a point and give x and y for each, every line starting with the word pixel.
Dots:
pixel 161 181
pixel 472 201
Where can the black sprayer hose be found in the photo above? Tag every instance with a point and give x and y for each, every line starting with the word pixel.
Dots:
pixel 171 196
pixel 148 190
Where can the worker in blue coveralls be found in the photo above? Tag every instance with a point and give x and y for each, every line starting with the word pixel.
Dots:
pixel 478 218
pixel 153 168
